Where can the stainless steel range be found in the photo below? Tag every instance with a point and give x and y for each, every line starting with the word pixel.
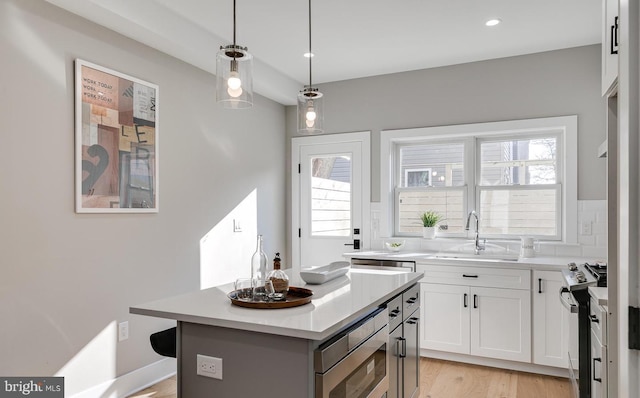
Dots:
pixel 575 297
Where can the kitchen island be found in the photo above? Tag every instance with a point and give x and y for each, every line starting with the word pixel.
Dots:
pixel 268 352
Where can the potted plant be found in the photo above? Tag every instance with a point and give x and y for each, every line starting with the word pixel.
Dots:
pixel 430 220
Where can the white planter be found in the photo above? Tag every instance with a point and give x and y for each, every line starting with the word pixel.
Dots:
pixel 429 232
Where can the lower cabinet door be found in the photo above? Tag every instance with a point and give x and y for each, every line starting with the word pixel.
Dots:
pixel 445 317
pixel 501 323
pixel 411 362
pixel 550 321
pixel 395 365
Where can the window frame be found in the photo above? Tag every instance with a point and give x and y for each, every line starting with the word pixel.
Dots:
pixel 565 127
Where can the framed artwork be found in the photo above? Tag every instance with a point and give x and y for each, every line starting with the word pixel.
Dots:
pixel 116 141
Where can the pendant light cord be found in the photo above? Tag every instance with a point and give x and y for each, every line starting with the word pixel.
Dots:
pixel 310 52
pixel 234 24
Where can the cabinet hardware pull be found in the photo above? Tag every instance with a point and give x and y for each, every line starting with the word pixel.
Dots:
pixel 614 36
pixel 412 321
pixel 475 301
pixel 394 313
pixel 412 300
pixel 594 319
pixel 469 276
pixel 465 300
pixel 539 285
pixel 598 379
pixel 403 345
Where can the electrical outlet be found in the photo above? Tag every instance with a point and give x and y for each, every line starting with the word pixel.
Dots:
pixel 209 366
pixel 585 228
pixel 123 330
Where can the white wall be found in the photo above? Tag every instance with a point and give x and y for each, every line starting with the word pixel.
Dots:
pixel 66 279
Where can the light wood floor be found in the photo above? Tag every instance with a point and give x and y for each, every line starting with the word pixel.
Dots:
pixel 444 379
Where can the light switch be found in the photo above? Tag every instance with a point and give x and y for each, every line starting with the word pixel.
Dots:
pixel 236 226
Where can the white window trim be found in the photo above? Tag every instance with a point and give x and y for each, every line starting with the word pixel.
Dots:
pixel 565 126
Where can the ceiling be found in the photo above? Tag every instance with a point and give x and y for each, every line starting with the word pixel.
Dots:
pixel 350 39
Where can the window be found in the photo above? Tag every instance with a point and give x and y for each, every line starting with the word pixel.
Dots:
pixel 518 175
pixel 331 196
pixel 518 188
pixel 433 179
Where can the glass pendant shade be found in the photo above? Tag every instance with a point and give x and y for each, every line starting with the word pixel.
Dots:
pixel 234 82
pixel 310 111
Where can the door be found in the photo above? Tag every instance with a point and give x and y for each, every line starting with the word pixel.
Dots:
pixel 445 317
pixel 330 197
pixel 551 326
pixel 501 323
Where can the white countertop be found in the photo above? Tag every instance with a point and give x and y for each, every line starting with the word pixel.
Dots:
pixel 600 294
pixel 334 305
pixel 491 260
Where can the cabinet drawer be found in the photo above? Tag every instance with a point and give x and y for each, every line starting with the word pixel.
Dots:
pixel 410 301
pixel 476 276
pixel 598 316
pixel 395 312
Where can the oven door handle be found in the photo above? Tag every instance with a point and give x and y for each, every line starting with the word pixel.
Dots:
pixel 568 304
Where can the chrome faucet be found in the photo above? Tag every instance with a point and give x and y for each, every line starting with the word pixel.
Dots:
pixel 478 246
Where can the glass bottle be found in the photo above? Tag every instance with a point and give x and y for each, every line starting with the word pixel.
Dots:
pixel 278 278
pixel 259 264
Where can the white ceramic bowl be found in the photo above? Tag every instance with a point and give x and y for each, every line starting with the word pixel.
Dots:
pixel 395 245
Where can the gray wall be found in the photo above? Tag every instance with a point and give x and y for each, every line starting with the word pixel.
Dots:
pixel 67 279
pixel 555 83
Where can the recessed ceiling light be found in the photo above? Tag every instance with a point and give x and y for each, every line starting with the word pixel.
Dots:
pixel 309 55
pixel 493 22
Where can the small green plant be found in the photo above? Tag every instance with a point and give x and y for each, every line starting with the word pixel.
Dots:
pixel 430 218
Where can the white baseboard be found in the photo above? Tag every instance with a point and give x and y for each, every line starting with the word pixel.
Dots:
pixel 496 363
pixel 132 382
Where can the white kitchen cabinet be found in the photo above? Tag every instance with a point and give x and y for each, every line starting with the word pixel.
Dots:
pixel 550 320
pixel 501 323
pixel 610 37
pixel 445 318
pixel 482 321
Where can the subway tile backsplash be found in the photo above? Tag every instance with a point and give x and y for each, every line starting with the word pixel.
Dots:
pixel 592 236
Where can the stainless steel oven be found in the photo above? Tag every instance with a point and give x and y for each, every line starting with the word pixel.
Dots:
pixel 353 364
pixel 575 297
pixel 571 306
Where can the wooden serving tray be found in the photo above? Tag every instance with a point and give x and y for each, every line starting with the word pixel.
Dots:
pixel 295 297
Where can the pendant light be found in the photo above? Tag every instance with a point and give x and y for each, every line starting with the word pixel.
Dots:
pixel 310 101
pixel 234 67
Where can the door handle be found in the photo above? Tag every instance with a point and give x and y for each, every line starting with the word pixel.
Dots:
pixel 572 307
pixel 475 301
pixel 355 244
pixel 465 301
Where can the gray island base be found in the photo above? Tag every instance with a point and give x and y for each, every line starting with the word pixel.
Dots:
pixel 268 353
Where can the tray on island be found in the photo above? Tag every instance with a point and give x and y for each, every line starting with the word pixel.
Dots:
pixel 295 296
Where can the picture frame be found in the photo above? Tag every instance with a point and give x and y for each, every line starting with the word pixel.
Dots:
pixel 116 141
